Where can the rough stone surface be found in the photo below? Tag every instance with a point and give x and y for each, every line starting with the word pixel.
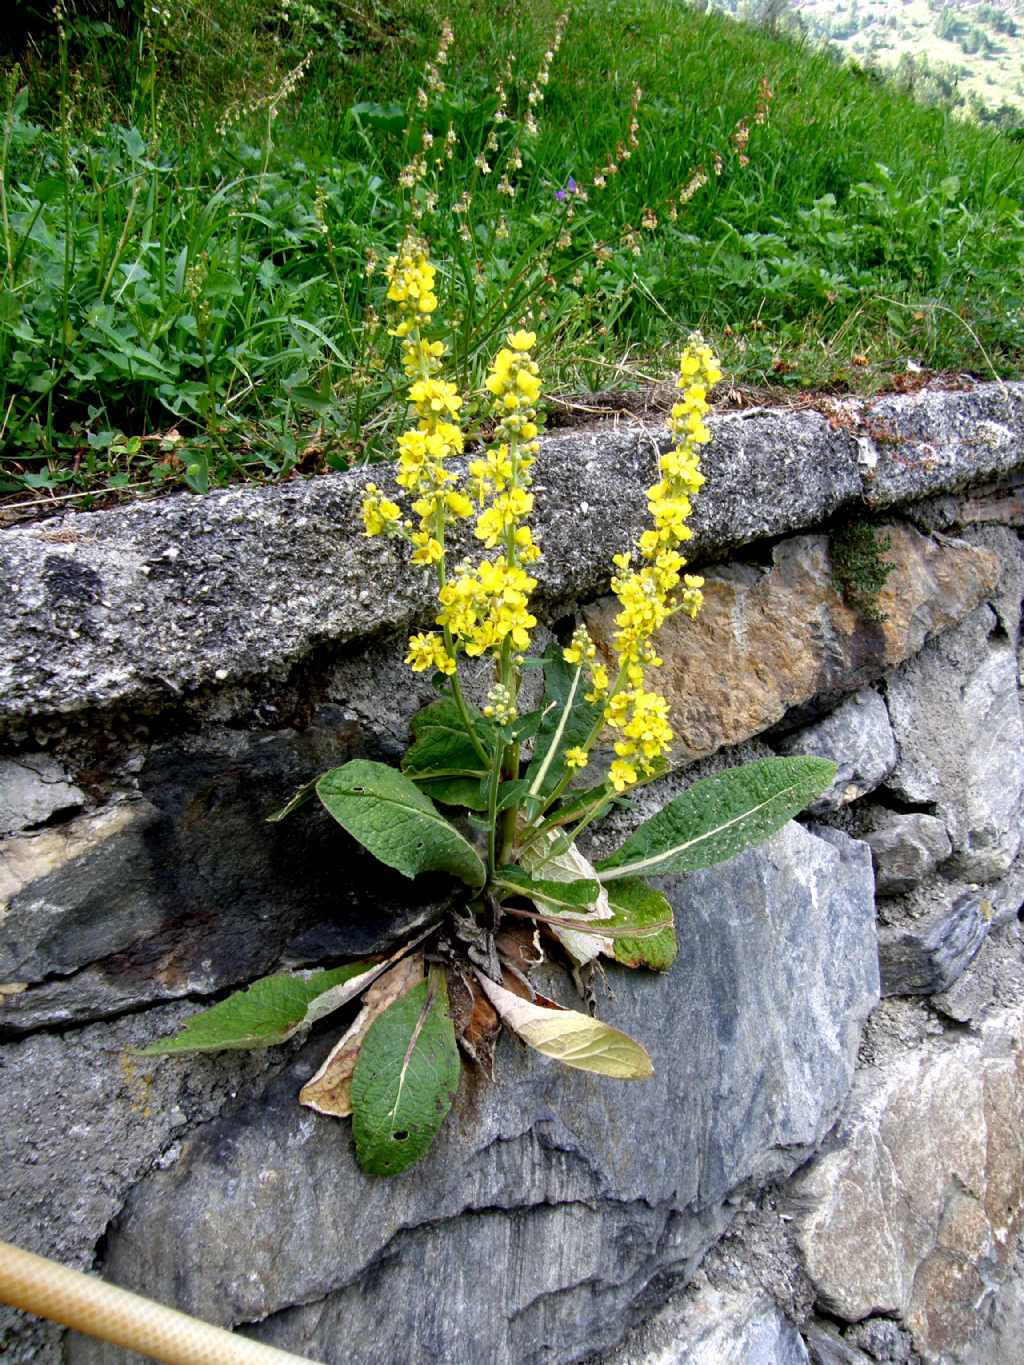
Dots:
pixel 916 445
pixel 905 850
pixel 915 1211
pixel 139 901
pixel 927 954
pixel 768 641
pixel 581 1190
pixel 1000 1338
pixel 826 1347
pixel 858 737
pixel 995 981
pixel 81 1119
pixel 956 715
pixel 717 1328
pixel 142 605
pixel 33 790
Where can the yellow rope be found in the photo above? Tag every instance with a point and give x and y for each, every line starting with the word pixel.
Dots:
pixel 90 1305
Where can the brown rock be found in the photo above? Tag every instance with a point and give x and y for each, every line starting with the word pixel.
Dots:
pixel 768 640
pixel 915 1212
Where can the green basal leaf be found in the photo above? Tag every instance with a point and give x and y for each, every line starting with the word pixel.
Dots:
pixel 574 894
pixel 454 791
pixel 720 817
pixel 405 1079
pixel 304 794
pixel 269 1011
pixel 566 723
pixel 442 746
pixel 401 827
pixel 638 906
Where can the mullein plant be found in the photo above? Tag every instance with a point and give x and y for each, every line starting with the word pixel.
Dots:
pixel 496 796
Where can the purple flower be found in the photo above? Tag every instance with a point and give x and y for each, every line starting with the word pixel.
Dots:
pixel 569 189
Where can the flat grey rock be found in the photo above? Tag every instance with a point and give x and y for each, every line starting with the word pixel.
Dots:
pixel 715 1327
pixel 185 889
pixel 914 1211
pixel 927 955
pixel 582 1190
pixel 956 716
pixel 33 789
pixel 905 849
pixel 857 735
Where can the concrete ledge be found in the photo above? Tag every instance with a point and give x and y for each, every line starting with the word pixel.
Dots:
pixel 138 606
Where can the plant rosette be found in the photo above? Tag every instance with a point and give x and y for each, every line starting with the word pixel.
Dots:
pixel 497 797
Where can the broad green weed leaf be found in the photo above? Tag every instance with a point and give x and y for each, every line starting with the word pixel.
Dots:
pixel 638 906
pixel 571 895
pixel 269 1011
pixel 401 827
pixel 568 720
pixel 442 746
pixel 573 1039
pixel 720 817
pixel 405 1079
pixel 469 792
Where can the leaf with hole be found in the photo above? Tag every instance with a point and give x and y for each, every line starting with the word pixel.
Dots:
pixel 405 1079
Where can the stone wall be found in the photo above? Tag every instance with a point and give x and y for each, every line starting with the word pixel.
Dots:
pixel 829 1163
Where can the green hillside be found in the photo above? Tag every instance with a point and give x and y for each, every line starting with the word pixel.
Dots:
pixel 197 202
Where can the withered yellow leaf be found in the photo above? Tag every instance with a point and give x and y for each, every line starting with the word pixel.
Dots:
pixel 569 1037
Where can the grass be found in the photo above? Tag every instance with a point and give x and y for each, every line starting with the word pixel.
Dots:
pixel 191 258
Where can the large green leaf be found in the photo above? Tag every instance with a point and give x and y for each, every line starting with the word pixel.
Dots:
pixel 720 816
pixel 442 746
pixel 568 720
pixel 575 895
pixel 269 1011
pixel 470 792
pixel 401 827
pixel 638 906
pixel 405 1079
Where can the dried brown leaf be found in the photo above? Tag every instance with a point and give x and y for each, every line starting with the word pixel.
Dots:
pixel 329 1091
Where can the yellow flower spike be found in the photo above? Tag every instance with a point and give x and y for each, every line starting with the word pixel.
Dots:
pixel 522 340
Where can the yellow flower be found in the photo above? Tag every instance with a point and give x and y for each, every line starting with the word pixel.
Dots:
pixel 379 513
pixel 622 775
pixel 427 650
pixel 576 758
pixel 521 340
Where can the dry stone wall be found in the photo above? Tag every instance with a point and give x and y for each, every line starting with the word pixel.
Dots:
pixel 827 1166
